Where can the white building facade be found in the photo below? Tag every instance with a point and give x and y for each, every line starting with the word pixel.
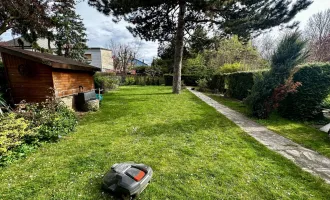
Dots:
pixel 101 58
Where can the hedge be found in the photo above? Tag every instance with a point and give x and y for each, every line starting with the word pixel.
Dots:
pixel 306 104
pixel 142 80
pixel 190 80
pixel 239 84
pixel 217 82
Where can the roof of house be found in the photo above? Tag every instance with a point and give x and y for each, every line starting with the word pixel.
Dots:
pixel 97 48
pixel 57 62
pixel 141 63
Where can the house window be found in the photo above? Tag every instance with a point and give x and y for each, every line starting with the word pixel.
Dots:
pixel 88 57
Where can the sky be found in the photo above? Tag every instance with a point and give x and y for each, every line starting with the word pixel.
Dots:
pixel 101 29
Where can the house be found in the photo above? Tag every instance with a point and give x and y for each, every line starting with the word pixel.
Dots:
pixel 101 58
pixel 98 57
pixel 138 63
pixel 22 43
pixel 34 76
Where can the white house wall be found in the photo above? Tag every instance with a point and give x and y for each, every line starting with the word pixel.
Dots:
pixel 96 57
pixel 107 60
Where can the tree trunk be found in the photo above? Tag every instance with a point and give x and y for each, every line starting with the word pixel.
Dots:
pixel 179 49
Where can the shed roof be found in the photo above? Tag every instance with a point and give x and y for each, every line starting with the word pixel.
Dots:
pixel 57 62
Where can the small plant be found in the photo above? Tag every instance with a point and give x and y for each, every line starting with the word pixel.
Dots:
pixel 3 106
pixel 202 84
pixel 52 118
pixel 13 131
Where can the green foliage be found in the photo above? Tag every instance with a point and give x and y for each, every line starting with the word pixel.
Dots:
pixel 217 83
pixel 140 70
pixel 106 81
pixel 70 37
pixel 196 66
pixel 288 54
pixel 189 80
pixel 23 130
pixel 202 84
pixel 129 80
pixel 232 51
pixel 13 130
pixel 231 68
pixel 306 104
pixel 240 84
pixel 52 118
pixel 326 102
pixel 199 41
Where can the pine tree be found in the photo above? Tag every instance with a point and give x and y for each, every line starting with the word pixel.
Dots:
pixel 70 37
pixel 162 20
pixel 199 41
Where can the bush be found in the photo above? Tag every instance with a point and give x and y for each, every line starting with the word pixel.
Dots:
pixel 106 82
pixel 239 84
pixel 13 131
pixel 231 68
pixel 288 55
pixel 306 104
pixel 189 80
pixel 52 118
pixel 202 84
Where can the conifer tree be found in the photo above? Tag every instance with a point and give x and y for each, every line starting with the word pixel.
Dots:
pixel 69 35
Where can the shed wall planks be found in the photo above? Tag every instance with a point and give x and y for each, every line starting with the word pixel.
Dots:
pixel 34 87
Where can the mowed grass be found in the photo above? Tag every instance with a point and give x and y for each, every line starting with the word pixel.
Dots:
pixel 195 152
pixel 299 132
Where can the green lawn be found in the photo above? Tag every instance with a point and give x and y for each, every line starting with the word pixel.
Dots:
pixel 196 153
pixel 299 132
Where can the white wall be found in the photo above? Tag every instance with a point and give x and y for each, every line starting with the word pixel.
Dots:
pixel 107 60
pixel 96 57
pixel 101 58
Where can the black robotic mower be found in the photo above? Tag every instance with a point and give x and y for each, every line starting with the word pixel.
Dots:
pixel 127 180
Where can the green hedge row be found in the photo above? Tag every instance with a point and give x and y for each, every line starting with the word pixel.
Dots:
pixel 189 80
pixel 239 84
pixel 142 80
pixel 236 85
pixel 306 104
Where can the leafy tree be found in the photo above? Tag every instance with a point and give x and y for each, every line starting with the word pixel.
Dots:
pixel 70 37
pixel 231 51
pixel 124 54
pixel 25 17
pixel 318 34
pixel 289 54
pixel 161 20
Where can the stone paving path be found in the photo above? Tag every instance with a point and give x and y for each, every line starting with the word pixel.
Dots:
pixel 307 159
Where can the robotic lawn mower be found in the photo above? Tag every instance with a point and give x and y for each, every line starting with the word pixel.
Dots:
pixel 127 180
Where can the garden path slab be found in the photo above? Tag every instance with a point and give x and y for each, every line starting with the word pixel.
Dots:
pixel 307 159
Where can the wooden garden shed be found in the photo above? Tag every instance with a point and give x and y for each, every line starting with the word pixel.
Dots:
pixel 34 76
